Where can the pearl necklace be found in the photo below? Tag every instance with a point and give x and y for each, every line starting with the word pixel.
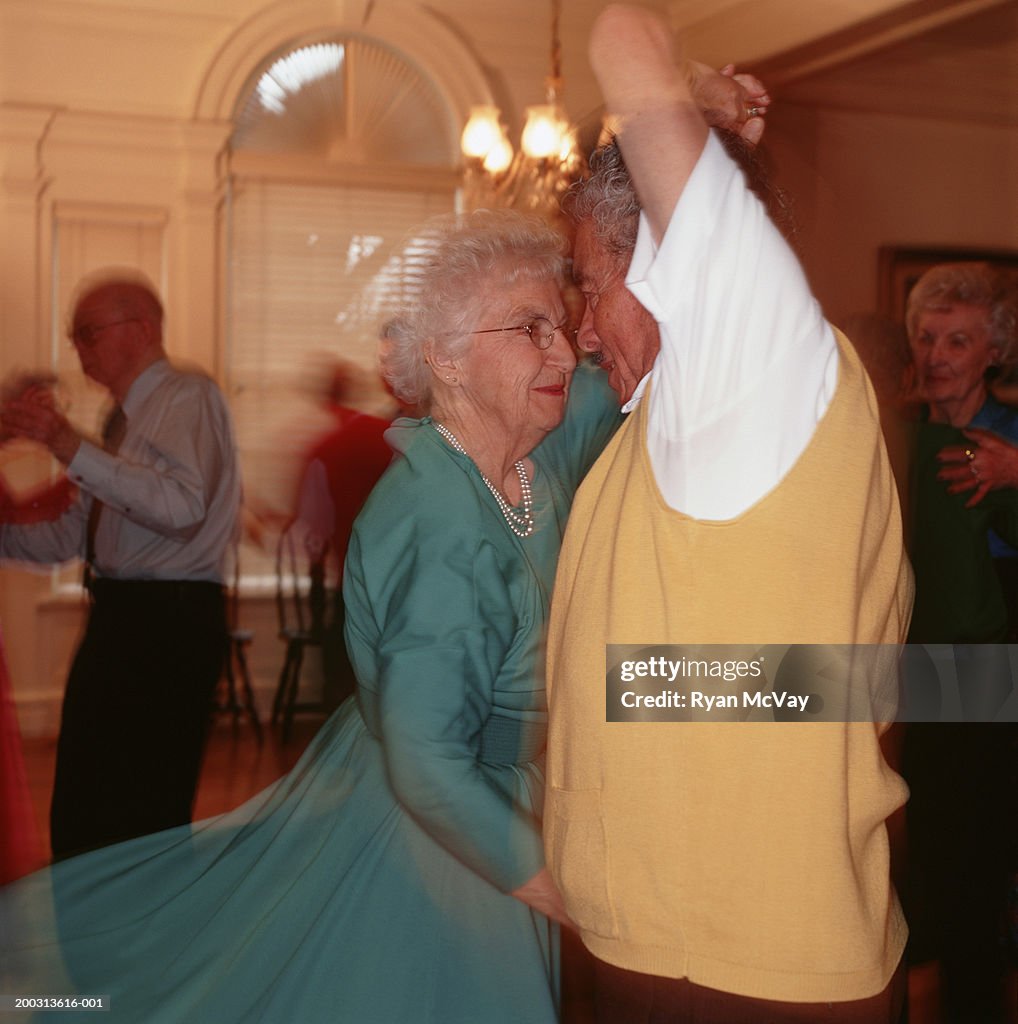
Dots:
pixel 521 525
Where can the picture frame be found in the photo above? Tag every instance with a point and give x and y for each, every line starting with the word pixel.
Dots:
pixel 899 267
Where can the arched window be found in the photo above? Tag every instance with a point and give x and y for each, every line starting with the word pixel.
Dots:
pixel 341 146
pixel 346 100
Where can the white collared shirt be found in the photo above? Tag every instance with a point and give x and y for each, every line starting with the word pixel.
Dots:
pixel 171 494
pixel 747 365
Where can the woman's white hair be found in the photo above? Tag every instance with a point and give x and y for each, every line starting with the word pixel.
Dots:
pixel 449 263
pixel 970 284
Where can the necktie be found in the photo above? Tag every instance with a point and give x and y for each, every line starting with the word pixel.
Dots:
pixel 114 429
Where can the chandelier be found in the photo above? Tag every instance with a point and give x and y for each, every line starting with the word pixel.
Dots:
pixel 548 160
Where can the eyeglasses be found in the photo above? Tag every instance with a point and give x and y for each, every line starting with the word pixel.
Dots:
pixel 540 330
pixel 87 333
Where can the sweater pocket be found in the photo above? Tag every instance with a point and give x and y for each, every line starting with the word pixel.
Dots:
pixel 577 849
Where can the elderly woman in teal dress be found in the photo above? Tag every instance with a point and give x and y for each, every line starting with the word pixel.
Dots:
pixel 397 873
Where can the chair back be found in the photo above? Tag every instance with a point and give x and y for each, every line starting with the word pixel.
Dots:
pixel 300 584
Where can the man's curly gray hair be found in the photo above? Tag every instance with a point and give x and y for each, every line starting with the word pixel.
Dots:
pixel 608 197
pixel 608 200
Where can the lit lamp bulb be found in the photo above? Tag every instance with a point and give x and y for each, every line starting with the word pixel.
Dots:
pixel 542 134
pixel 500 156
pixel 482 132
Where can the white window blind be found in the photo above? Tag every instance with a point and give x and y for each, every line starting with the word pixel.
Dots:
pixel 314 271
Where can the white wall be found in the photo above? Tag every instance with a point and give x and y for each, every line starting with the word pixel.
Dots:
pixel 861 181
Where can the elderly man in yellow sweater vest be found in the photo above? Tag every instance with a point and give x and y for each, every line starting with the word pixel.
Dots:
pixel 718 871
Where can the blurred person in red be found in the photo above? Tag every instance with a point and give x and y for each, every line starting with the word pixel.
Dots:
pixel 20 847
pixel 340 470
pixel 20 851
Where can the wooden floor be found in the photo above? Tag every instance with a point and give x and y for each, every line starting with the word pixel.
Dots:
pixel 235 766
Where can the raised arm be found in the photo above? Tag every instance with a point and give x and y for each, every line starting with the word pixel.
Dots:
pixel 746 366
pixel 661 130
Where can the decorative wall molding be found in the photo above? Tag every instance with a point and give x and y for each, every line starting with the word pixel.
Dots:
pixel 22 131
pixel 92 155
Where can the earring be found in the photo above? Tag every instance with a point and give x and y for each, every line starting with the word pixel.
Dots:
pixel 451 379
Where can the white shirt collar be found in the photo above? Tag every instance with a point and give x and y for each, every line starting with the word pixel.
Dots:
pixel 637 394
pixel 143 385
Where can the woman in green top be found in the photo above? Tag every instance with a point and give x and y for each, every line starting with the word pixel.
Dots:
pixel 961 814
pixel 961 324
pixel 396 874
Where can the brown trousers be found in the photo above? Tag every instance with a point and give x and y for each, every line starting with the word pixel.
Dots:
pixel 628 997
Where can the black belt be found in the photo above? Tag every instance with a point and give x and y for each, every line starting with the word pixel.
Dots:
pixel 506 740
pixel 102 588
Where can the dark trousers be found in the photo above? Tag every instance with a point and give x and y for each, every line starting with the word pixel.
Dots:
pixel 136 712
pixel 962 819
pixel 628 997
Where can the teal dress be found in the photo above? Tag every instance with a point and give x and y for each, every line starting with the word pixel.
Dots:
pixel 371 883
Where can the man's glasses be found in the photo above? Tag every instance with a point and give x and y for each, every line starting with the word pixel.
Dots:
pixel 540 330
pixel 86 334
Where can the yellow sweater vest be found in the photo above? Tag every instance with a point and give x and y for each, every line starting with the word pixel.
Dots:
pixel 749 857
